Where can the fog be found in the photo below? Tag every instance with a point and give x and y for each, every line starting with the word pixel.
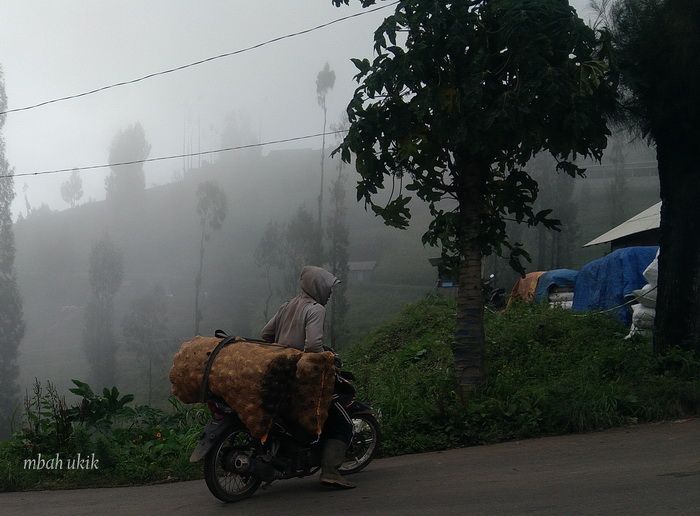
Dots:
pixel 51 49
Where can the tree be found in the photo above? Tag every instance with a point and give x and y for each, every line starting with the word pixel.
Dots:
pixel 325 80
pixel 338 236
pixel 299 249
pixel 145 327
pixel 72 189
pixel 25 189
pixel 455 114
pixel 268 255
pixel 656 47
pixel 555 191
pixel 617 190
pixel 238 130
pixel 11 315
pixel 211 208
pixel 126 182
pixel 106 275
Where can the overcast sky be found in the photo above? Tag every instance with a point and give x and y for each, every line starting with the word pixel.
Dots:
pixel 51 49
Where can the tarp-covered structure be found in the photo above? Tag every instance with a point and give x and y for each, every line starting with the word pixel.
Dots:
pixel 524 289
pixel 603 283
pixel 554 279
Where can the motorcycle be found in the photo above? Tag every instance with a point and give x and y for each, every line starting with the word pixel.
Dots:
pixel 236 464
pixel 494 298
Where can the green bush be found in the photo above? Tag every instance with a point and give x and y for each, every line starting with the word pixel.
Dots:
pixel 550 371
pixel 133 444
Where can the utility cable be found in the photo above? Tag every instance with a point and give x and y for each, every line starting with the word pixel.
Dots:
pixel 173 156
pixel 196 63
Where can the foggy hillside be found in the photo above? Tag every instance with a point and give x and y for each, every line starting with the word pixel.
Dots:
pixel 159 236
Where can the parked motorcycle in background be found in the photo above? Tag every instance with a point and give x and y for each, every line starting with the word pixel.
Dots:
pixel 494 298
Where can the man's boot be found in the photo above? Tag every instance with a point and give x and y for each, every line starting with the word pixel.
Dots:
pixel 333 457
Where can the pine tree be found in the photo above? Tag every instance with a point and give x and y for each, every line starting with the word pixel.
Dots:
pixel 212 209
pixel 145 330
pixel 72 189
pixel 106 274
pixel 11 317
pixel 268 255
pixel 325 80
pixel 126 182
pixel 338 257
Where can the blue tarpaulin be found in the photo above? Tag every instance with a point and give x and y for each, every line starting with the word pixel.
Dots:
pixel 604 283
pixel 561 278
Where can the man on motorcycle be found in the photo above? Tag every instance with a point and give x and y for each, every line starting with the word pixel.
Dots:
pixel 299 324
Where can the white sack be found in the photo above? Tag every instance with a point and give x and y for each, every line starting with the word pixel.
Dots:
pixel 566 305
pixel 559 297
pixel 651 273
pixel 646 295
pixel 643 317
pixel 638 331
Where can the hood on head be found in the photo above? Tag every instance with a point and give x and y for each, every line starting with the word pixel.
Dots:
pixel 317 283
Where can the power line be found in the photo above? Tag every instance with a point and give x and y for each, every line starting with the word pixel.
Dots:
pixel 633 164
pixel 196 63
pixel 173 156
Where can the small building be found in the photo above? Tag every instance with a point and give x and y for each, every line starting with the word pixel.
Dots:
pixel 360 271
pixel 640 230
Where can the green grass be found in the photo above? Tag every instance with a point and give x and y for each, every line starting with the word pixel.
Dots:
pixel 372 304
pixel 549 372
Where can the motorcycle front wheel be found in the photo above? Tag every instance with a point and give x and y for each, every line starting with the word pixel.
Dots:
pixel 364 445
pixel 222 464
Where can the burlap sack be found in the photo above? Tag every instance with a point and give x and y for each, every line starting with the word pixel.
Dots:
pixel 258 382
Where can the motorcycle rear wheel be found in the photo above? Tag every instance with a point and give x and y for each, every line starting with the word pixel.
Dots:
pixel 364 445
pixel 225 484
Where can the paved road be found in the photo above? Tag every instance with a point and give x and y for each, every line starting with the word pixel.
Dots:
pixel 647 469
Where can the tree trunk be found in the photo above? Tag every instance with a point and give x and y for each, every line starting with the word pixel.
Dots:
pixel 266 312
pixel 541 246
pixel 198 283
pixel 150 375
pixel 678 302
pixel 319 235
pixel 469 344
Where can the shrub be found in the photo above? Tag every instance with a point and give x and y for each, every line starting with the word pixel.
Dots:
pixel 550 371
pixel 133 444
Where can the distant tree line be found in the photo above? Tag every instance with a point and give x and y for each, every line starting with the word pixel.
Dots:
pixel 286 248
pixel 12 325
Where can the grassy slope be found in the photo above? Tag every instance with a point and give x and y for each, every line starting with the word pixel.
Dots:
pixel 550 371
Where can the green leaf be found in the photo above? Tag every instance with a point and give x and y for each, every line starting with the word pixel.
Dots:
pixel 362 65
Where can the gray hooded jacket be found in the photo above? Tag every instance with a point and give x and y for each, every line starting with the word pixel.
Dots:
pixel 299 322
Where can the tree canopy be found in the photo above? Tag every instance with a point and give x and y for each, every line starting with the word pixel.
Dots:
pixel 72 189
pixel 656 50
pixel 459 98
pixel 12 326
pixel 106 268
pixel 126 181
pixel 212 207
pixel 498 81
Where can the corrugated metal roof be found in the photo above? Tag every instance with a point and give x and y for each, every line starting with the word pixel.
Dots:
pixel 644 221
